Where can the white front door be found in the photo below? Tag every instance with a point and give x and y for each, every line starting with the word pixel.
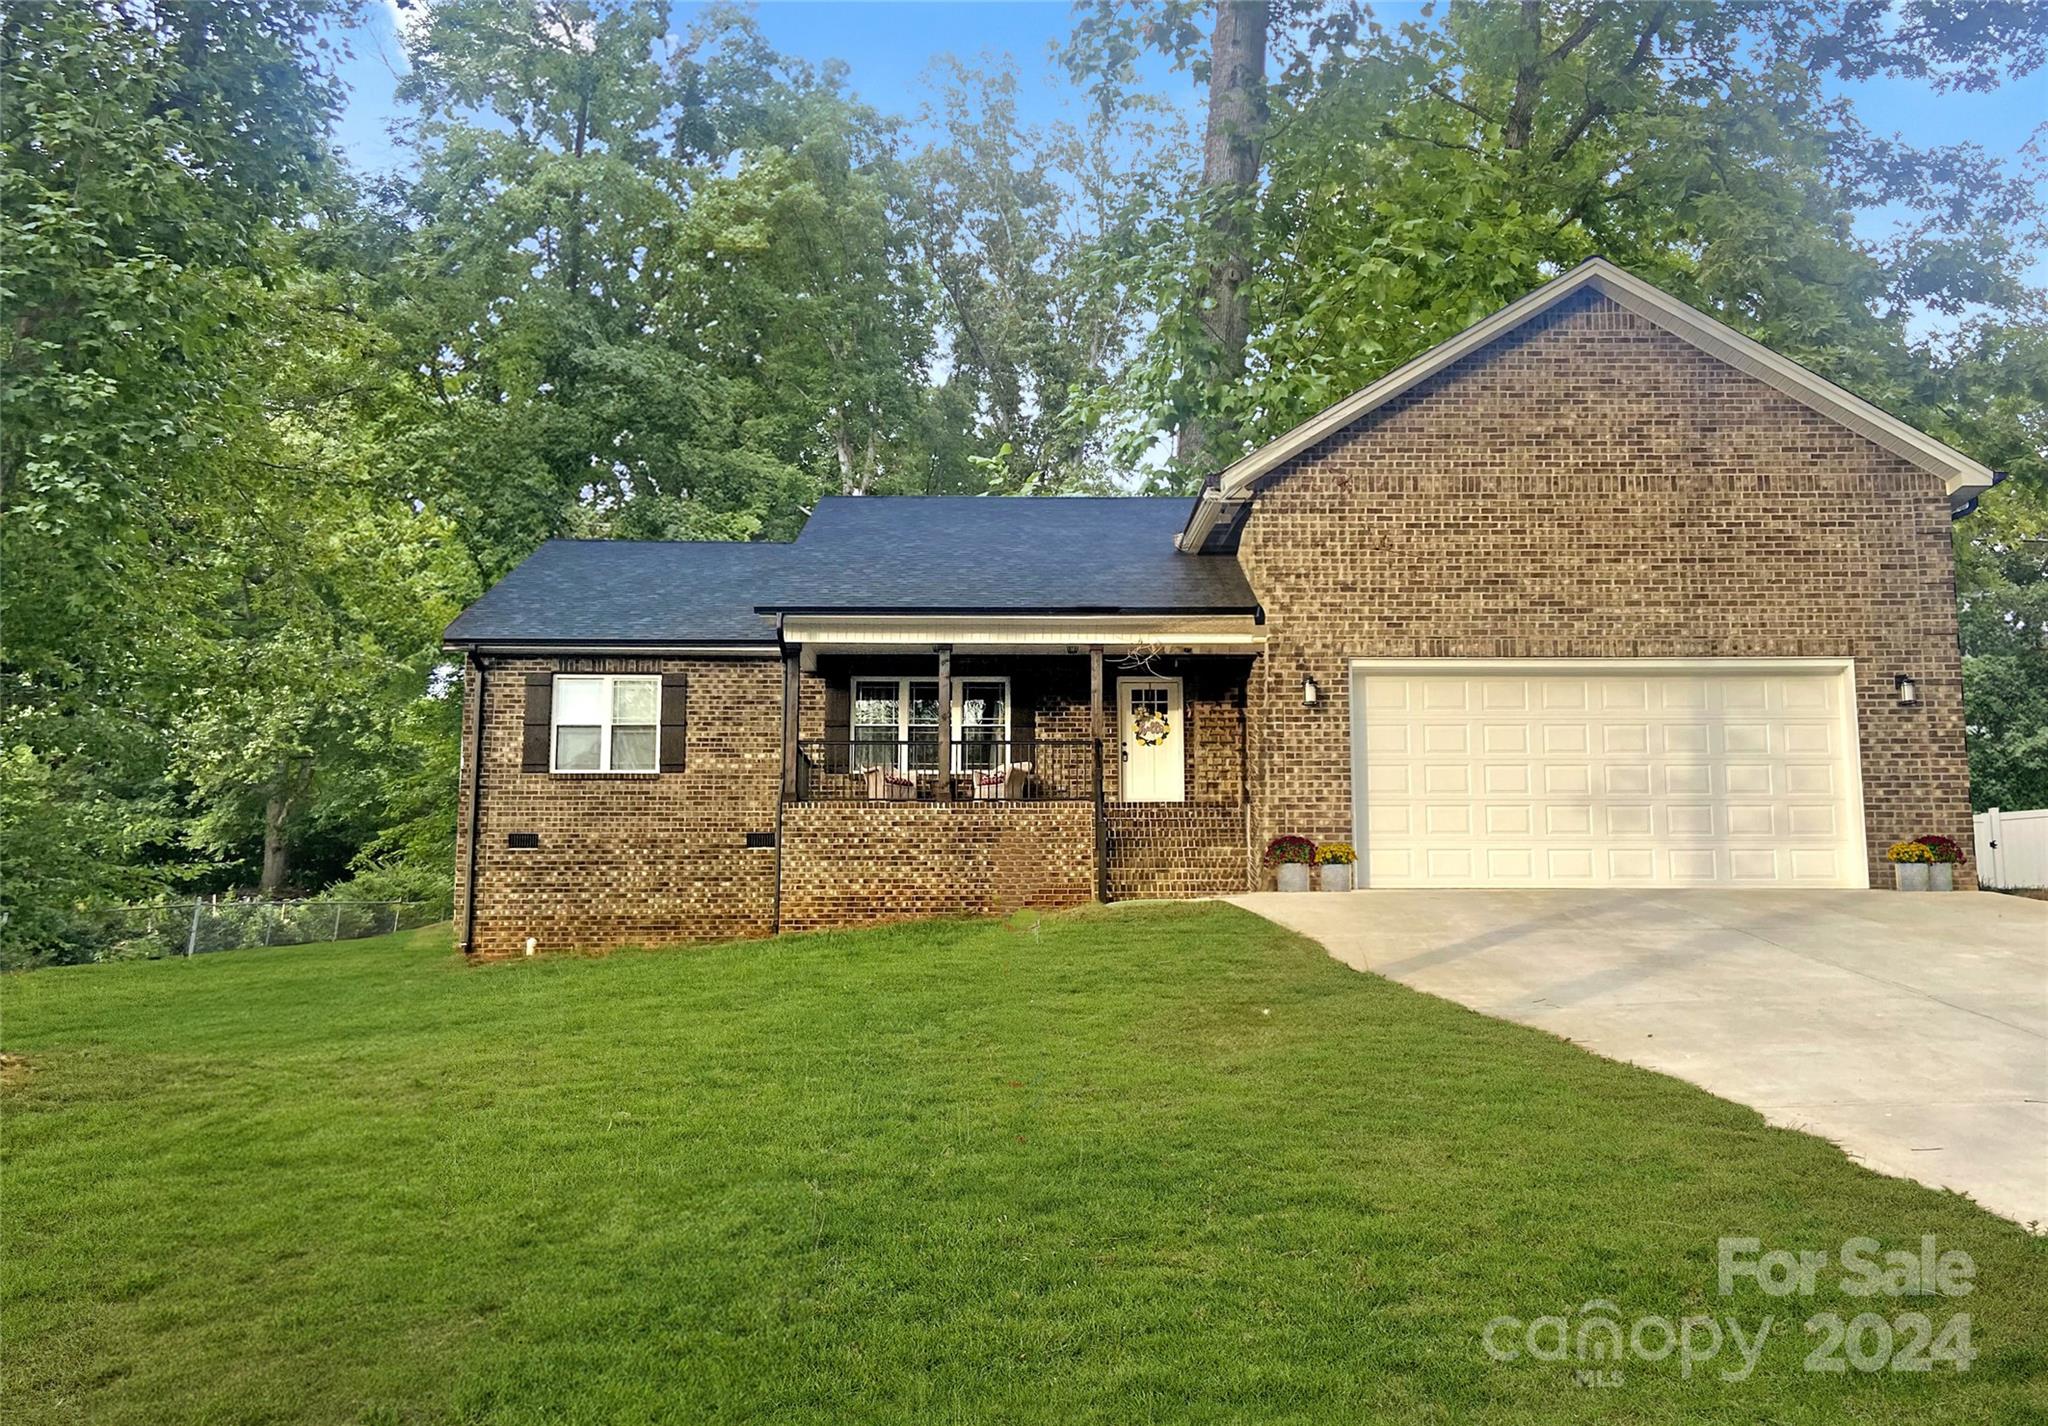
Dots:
pixel 1149 711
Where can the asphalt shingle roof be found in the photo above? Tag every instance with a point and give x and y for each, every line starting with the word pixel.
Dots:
pixel 629 592
pixel 950 554
pixel 1067 554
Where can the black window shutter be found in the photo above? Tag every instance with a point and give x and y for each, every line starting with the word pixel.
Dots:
pixel 675 720
pixel 540 708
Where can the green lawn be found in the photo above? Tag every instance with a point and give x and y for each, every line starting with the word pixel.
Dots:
pixel 1164 1163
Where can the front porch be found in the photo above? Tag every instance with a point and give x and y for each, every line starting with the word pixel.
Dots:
pixel 978 779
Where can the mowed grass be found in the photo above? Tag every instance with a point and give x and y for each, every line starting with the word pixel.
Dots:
pixel 1136 1164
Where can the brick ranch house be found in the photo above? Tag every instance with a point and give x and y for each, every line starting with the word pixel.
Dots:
pixel 1598 593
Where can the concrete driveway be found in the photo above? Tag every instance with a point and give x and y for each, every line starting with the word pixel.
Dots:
pixel 1910 1030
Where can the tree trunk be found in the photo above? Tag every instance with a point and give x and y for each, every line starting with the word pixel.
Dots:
pixel 1230 173
pixel 293 781
pixel 850 482
pixel 276 856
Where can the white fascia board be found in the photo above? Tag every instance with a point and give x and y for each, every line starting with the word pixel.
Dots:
pixel 1204 631
pixel 1962 477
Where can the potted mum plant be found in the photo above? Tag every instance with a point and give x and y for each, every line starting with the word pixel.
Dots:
pixel 1290 856
pixel 1941 872
pixel 1911 864
pixel 1333 865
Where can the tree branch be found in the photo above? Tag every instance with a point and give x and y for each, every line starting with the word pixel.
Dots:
pixel 1443 92
pixel 1579 36
pixel 1597 107
pixel 1393 133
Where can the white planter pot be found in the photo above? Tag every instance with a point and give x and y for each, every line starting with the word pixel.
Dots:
pixel 1293 876
pixel 1335 876
pixel 1911 876
pixel 1942 877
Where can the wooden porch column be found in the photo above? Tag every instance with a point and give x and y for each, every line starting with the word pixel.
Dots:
pixel 792 695
pixel 1095 690
pixel 946 709
pixel 1095 722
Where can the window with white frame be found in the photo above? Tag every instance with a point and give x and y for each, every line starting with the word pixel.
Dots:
pixel 607 724
pixel 981 720
pixel 896 722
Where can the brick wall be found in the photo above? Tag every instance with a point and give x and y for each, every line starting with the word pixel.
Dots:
pixel 1172 849
pixel 859 864
pixel 629 858
pixel 1590 486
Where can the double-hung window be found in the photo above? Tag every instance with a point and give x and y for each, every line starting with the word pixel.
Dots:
pixel 981 714
pixel 896 723
pixel 607 724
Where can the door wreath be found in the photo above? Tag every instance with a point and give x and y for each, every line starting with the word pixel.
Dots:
pixel 1151 729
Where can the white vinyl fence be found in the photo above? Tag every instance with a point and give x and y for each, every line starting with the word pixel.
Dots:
pixel 2012 848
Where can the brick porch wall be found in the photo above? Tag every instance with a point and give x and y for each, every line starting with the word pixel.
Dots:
pixel 628 859
pixel 861 864
pixel 1590 486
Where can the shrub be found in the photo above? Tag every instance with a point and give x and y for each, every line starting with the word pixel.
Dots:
pixel 1289 848
pixel 1336 854
pixel 1909 852
pixel 398 881
pixel 1944 848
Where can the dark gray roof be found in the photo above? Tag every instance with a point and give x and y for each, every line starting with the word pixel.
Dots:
pixel 998 554
pixel 630 592
pixel 1065 554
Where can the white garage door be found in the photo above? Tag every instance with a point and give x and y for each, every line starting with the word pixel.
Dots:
pixel 1619 774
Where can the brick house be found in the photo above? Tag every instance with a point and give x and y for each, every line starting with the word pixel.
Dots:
pixel 1598 593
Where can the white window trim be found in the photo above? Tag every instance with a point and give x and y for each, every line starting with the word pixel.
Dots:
pixel 604 766
pixel 853 728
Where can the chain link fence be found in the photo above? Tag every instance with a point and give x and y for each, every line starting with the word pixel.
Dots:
pixel 188 928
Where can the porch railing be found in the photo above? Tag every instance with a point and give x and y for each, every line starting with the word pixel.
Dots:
pixel 858 768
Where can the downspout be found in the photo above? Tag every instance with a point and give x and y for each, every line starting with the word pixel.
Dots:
pixel 476 791
pixel 782 787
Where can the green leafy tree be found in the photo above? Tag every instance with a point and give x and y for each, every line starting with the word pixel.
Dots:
pixel 655 290
pixel 1020 231
pixel 1419 177
pixel 147 153
pixel 2002 563
pixel 315 592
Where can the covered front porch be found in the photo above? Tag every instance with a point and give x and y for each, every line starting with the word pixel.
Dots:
pixel 1027 766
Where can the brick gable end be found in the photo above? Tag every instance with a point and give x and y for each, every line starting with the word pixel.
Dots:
pixel 1591 486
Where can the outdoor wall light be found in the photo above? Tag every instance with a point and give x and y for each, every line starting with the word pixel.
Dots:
pixel 1909 693
pixel 1309 692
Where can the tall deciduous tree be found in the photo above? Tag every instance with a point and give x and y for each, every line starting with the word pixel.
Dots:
pixel 659 288
pixel 1019 228
pixel 1231 145
pixel 148 153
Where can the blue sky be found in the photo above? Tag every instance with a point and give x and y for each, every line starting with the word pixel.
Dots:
pixel 890 45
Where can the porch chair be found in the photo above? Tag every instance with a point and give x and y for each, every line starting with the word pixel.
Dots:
pixel 885 784
pixel 1006 783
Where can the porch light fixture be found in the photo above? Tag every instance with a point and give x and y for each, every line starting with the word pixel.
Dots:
pixel 1909 693
pixel 1309 692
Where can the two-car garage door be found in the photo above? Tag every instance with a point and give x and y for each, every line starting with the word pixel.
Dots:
pixel 1472 773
